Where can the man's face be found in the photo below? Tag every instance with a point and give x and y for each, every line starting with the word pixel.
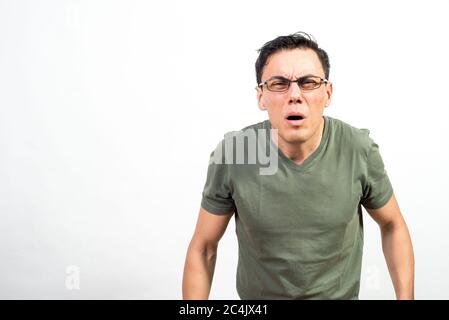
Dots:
pixel 293 64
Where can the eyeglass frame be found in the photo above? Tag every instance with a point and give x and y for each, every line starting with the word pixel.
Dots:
pixel 322 80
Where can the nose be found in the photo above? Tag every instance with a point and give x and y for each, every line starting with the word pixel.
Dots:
pixel 294 93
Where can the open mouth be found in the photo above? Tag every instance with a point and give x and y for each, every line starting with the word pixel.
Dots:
pixel 295 117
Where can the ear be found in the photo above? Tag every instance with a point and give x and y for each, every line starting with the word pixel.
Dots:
pixel 329 90
pixel 260 101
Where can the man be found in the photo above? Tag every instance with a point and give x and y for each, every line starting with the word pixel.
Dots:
pixel 299 229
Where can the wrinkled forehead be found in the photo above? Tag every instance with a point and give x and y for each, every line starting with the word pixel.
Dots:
pixel 293 64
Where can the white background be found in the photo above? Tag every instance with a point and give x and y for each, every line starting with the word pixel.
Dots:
pixel 109 111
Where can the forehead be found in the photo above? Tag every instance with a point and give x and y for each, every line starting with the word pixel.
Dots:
pixel 293 63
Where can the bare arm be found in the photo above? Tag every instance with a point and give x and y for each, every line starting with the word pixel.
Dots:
pixel 201 255
pixel 397 247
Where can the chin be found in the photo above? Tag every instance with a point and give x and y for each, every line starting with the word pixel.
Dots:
pixel 294 137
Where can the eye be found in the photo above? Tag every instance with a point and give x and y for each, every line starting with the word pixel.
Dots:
pixel 278 84
pixel 309 82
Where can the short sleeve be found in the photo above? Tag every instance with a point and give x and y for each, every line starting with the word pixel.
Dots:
pixel 377 188
pixel 217 192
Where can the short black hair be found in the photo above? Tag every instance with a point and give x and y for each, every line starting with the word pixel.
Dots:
pixel 298 40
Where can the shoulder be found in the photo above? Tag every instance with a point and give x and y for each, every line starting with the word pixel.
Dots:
pixel 349 136
pixel 226 147
pixel 259 125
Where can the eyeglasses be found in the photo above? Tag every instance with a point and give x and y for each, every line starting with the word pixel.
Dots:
pixel 281 84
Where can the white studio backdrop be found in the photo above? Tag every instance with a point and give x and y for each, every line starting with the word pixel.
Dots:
pixel 109 111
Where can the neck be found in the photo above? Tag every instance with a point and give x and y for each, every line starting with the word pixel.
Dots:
pixel 300 151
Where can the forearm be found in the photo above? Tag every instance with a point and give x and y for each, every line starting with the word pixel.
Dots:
pixel 398 251
pixel 198 273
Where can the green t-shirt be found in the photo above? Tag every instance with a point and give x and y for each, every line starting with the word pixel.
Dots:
pixel 300 230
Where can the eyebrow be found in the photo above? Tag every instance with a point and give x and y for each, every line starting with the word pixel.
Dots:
pixel 305 75
pixel 288 78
